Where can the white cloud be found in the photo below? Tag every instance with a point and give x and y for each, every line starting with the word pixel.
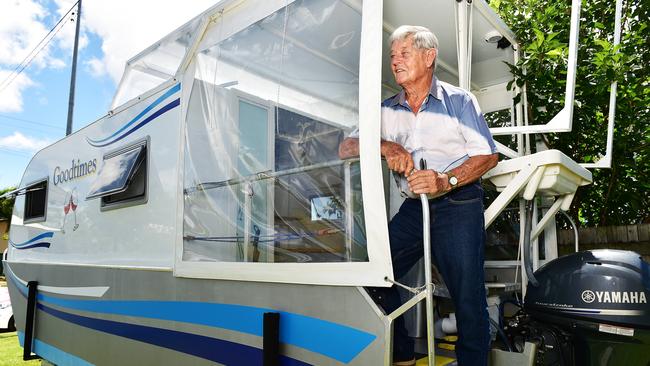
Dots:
pixel 95 67
pixel 22 27
pixel 11 99
pixel 20 142
pixel 126 27
pixel 56 63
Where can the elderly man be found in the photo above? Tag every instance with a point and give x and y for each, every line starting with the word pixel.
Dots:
pixel 442 125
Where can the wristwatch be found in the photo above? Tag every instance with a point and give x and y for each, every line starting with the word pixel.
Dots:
pixel 453 181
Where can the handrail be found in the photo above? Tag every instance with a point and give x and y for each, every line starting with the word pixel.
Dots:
pixel 606 160
pixel 265 175
pixel 247 180
pixel 20 192
pixel 562 122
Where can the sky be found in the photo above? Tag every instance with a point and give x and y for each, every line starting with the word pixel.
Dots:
pixel 34 105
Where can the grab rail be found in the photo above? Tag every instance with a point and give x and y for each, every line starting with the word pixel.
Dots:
pixel 247 204
pixel 265 175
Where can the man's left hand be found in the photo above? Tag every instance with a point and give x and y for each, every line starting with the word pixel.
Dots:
pixel 428 182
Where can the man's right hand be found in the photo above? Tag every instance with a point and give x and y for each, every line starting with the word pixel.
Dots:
pixel 398 159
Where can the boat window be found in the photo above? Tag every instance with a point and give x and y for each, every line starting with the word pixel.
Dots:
pixel 122 178
pixel 36 202
pixel 268 108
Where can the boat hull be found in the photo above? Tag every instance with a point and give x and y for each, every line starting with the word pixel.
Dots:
pixel 102 315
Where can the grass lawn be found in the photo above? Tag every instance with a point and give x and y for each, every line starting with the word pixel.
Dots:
pixel 11 354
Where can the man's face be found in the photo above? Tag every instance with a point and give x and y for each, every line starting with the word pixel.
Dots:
pixel 410 64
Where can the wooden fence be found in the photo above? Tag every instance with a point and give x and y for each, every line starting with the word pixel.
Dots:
pixel 624 237
pixel 607 235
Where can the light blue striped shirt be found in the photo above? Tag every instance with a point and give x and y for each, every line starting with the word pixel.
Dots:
pixel 448 129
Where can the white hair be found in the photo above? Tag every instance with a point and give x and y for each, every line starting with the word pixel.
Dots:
pixel 423 38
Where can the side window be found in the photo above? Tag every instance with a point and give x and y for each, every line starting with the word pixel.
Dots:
pixel 122 179
pixel 36 202
pixel 263 180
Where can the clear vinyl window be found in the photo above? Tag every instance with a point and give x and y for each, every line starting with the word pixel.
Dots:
pixel 155 65
pixel 268 108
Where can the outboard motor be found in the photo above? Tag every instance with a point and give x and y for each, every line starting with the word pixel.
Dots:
pixel 599 301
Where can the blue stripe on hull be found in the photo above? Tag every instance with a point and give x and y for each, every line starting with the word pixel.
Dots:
pixel 31 242
pixel 35 245
pixel 151 106
pixel 330 339
pixel 53 354
pixel 173 104
pixel 337 341
pixel 213 349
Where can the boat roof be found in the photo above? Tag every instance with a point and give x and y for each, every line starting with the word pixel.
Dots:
pixel 163 60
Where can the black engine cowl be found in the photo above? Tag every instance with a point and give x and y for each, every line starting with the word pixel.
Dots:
pixel 600 286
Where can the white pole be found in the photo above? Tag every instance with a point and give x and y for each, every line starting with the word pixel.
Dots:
pixel 426 241
pixel 573 59
pixel 461 44
pixel 426 236
pixel 606 161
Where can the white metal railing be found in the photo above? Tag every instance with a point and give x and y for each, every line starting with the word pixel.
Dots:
pixel 562 122
pixel 248 180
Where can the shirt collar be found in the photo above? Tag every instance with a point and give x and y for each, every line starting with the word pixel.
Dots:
pixel 400 98
pixel 434 91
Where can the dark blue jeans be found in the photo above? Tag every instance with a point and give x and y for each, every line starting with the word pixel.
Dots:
pixel 457 242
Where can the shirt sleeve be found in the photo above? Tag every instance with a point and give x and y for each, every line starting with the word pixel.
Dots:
pixel 478 139
pixel 384 127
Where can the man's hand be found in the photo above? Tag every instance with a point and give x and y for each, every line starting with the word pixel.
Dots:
pixel 428 182
pixel 349 148
pixel 398 159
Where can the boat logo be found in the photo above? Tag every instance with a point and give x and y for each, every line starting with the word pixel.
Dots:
pixel 78 169
pixel 614 297
pixel 588 296
pixel 70 207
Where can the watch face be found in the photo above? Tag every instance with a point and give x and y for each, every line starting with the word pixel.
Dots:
pixel 453 181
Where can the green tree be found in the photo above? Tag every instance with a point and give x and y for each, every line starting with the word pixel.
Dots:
pixel 618 195
pixel 6 204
